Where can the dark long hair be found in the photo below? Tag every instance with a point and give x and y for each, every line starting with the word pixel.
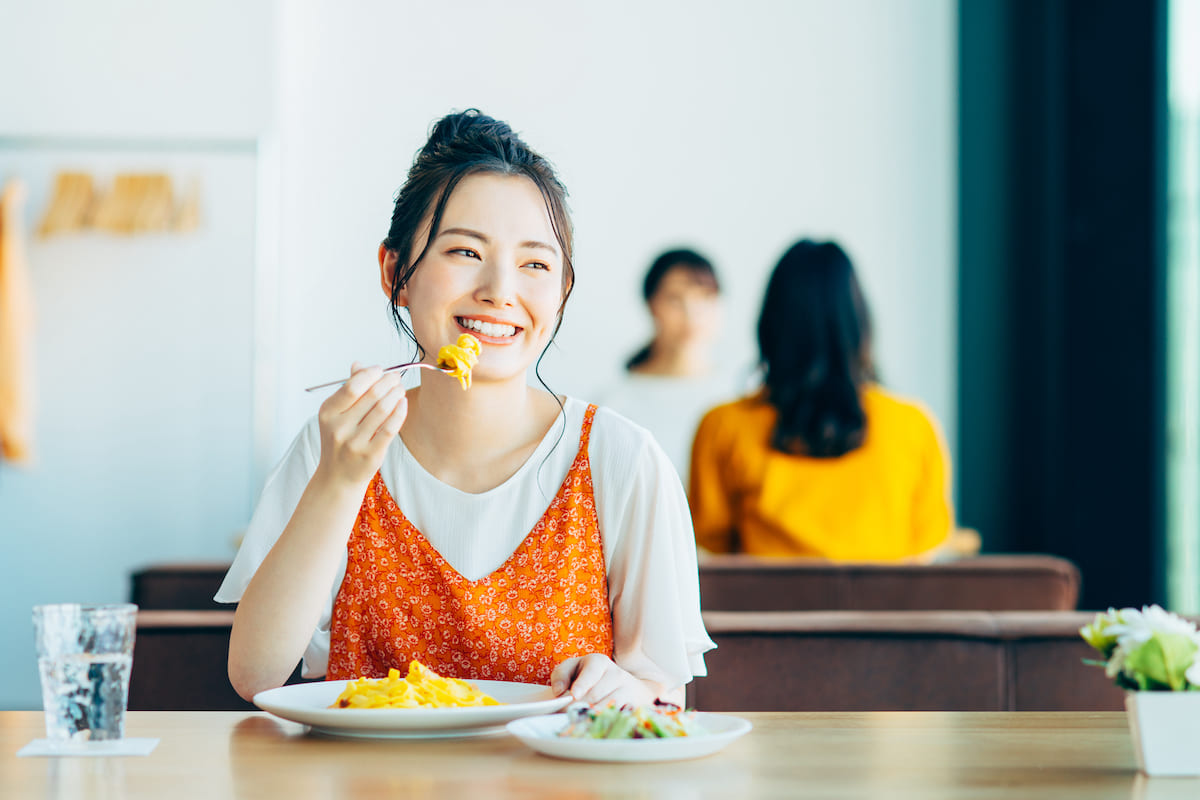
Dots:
pixel 696 265
pixel 462 144
pixel 814 341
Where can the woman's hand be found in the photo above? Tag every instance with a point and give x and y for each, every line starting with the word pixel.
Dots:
pixel 358 422
pixel 595 679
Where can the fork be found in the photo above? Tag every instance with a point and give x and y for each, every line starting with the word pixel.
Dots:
pixel 410 365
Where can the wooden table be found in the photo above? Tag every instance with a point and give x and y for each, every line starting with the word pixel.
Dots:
pixel 887 755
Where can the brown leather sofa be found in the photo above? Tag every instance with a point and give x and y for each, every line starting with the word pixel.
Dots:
pixel 983 583
pixel 901 661
pixel 792 635
pixel 180 663
pixel 765 661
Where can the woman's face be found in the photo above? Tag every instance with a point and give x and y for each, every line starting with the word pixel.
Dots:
pixel 495 271
pixel 686 310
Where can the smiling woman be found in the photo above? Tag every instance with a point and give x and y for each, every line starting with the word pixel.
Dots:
pixel 414 526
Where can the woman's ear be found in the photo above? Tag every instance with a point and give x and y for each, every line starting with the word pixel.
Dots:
pixel 387 271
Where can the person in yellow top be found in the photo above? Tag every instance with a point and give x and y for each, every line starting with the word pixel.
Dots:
pixel 822 462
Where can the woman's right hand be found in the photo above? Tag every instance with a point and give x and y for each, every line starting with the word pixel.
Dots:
pixel 358 422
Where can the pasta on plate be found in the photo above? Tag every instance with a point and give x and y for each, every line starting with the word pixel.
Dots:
pixel 420 688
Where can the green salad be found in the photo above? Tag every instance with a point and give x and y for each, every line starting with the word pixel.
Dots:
pixel 663 721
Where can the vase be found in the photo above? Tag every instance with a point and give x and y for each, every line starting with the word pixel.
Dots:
pixel 1166 731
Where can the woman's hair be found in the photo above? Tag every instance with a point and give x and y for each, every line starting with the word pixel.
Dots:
pixel 814 340
pixel 699 268
pixel 462 144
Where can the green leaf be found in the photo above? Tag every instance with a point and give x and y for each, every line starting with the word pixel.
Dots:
pixel 1162 659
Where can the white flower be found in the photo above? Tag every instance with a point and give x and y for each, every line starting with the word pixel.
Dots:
pixel 1150 649
pixel 1096 632
pixel 1136 627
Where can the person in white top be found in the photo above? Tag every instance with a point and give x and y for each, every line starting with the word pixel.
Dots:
pixel 669 384
pixel 502 531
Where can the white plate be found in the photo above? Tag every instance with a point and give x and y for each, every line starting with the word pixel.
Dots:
pixel 309 703
pixel 541 733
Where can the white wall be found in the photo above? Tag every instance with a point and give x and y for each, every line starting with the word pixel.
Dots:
pixel 144 345
pixel 136 67
pixel 735 128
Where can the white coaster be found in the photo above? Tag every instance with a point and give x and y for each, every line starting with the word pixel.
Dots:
pixel 108 747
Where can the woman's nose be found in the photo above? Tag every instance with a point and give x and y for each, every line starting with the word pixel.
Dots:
pixel 497 286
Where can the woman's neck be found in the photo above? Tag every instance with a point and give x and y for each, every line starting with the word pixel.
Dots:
pixel 679 361
pixel 474 440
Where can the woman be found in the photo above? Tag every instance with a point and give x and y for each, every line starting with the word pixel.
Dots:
pixel 416 525
pixel 668 385
pixel 822 462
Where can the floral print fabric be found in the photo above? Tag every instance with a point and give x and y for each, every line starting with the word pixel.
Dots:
pixel 401 601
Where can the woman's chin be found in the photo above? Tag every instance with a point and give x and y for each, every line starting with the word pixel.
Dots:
pixel 493 377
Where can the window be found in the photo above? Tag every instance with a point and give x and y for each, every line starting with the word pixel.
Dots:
pixel 1183 306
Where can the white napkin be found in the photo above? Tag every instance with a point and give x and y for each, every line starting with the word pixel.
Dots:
pixel 108 747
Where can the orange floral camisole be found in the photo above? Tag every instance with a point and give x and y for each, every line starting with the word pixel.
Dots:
pixel 400 600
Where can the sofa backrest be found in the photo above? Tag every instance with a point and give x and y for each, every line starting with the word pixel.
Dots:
pixel 178 587
pixel 746 583
pixel 983 583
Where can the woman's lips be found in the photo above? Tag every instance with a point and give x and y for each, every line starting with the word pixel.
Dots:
pixel 485 338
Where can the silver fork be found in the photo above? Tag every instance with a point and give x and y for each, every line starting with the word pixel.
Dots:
pixel 401 367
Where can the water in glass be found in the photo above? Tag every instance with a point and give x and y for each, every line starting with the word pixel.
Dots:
pixel 84 695
pixel 85 654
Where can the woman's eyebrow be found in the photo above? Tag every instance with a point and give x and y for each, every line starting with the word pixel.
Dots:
pixel 465 232
pixel 531 243
pixel 538 246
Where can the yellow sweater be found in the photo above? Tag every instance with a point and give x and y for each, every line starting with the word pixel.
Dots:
pixel 887 500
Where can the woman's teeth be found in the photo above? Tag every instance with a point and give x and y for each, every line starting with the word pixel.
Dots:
pixel 487 328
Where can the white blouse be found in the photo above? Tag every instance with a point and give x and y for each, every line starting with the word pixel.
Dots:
pixel 649 547
pixel 670 408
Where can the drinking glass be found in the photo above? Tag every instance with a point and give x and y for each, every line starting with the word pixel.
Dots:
pixel 84 656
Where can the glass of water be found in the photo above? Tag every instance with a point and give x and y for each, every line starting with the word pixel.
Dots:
pixel 84 656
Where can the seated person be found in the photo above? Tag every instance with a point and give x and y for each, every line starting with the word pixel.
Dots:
pixel 424 524
pixel 668 385
pixel 822 461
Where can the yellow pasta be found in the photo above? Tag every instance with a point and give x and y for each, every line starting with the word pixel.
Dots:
pixel 421 688
pixel 460 358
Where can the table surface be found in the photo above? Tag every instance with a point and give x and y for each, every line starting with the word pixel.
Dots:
pixel 888 754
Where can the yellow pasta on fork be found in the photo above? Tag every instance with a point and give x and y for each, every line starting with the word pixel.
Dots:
pixel 460 358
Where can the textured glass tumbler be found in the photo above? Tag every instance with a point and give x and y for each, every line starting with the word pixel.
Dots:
pixel 84 657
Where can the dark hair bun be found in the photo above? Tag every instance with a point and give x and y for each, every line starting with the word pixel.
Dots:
pixel 471 133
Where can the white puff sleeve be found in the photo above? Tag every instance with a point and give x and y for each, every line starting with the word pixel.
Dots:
pixel 278 501
pixel 654 589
